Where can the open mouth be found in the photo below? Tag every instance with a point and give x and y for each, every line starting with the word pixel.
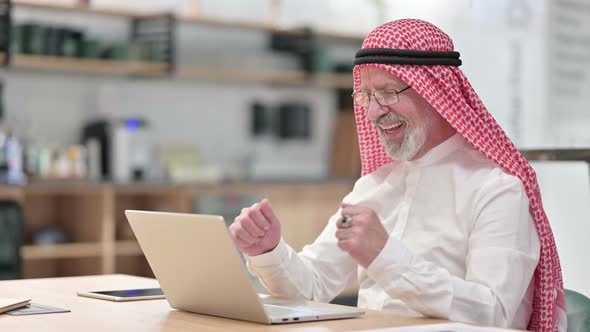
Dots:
pixel 391 128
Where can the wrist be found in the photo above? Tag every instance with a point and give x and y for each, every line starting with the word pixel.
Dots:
pixel 377 247
pixel 271 249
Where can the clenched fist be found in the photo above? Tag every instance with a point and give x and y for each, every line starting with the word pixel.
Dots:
pixel 256 230
pixel 363 236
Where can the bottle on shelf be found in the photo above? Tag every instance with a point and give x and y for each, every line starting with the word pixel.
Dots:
pixel 13 153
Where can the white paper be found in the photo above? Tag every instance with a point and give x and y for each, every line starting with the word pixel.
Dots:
pixel 446 327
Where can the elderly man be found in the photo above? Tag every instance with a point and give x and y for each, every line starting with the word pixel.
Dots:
pixel 446 220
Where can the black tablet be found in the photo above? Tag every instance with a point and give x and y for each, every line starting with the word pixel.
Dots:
pixel 126 294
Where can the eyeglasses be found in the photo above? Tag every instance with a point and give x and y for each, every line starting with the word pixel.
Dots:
pixel 383 97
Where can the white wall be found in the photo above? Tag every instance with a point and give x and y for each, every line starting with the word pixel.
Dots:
pixel 516 63
pixel 503 60
pixel 568 96
pixel 565 187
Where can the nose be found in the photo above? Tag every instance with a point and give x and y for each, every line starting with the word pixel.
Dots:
pixel 375 111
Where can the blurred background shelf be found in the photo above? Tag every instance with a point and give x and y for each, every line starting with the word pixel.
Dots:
pixel 228 24
pixel 127 248
pixel 86 66
pixel 342 81
pixel 69 250
pixel 267 27
pixel 92 235
pixel 214 22
pixel 84 221
pixel 149 69
pixel 288 77
pixel 80 9
pixel 305 45
pixel 230 75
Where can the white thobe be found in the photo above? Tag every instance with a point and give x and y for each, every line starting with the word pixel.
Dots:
pixel 462 244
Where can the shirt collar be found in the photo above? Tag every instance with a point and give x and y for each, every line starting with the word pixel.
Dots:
pixel 440 151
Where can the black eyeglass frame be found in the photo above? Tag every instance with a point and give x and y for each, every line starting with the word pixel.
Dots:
pixel 369 95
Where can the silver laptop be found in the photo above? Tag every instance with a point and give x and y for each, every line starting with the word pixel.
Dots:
pixel 200 270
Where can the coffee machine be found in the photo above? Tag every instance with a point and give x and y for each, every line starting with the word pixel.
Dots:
pixel 120 150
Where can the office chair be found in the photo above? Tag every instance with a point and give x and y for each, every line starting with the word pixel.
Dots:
pixel 578 311
pixel 11 238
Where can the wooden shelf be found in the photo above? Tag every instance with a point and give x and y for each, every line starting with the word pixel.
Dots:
pixel 93 215
pixel 69 250
pixel 334 80
pixel 81 9
pixel 271 77
pixel 146 69
pixel 86 66
pixel 151 69
pixel 229 24
pixel 202 21
pixel 231 75
pixel 64 188
pixel 12 192
pixel 127 248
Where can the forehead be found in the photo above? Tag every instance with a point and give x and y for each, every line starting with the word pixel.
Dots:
pixel 378 78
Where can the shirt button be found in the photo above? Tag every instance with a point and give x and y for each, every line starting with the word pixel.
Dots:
pixel 554 293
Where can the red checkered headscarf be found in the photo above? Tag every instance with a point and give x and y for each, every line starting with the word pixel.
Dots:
pixel 447 89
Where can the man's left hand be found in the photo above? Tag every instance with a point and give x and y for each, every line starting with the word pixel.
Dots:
pixel 365 237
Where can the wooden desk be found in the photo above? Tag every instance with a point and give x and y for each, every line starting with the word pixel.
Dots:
pixel 89 315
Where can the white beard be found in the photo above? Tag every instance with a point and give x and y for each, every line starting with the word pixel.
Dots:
pixel 414 139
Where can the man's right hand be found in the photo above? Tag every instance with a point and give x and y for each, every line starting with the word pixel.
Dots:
pixel 256 230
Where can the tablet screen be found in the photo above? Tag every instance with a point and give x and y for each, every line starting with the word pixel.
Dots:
pixel 133 292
